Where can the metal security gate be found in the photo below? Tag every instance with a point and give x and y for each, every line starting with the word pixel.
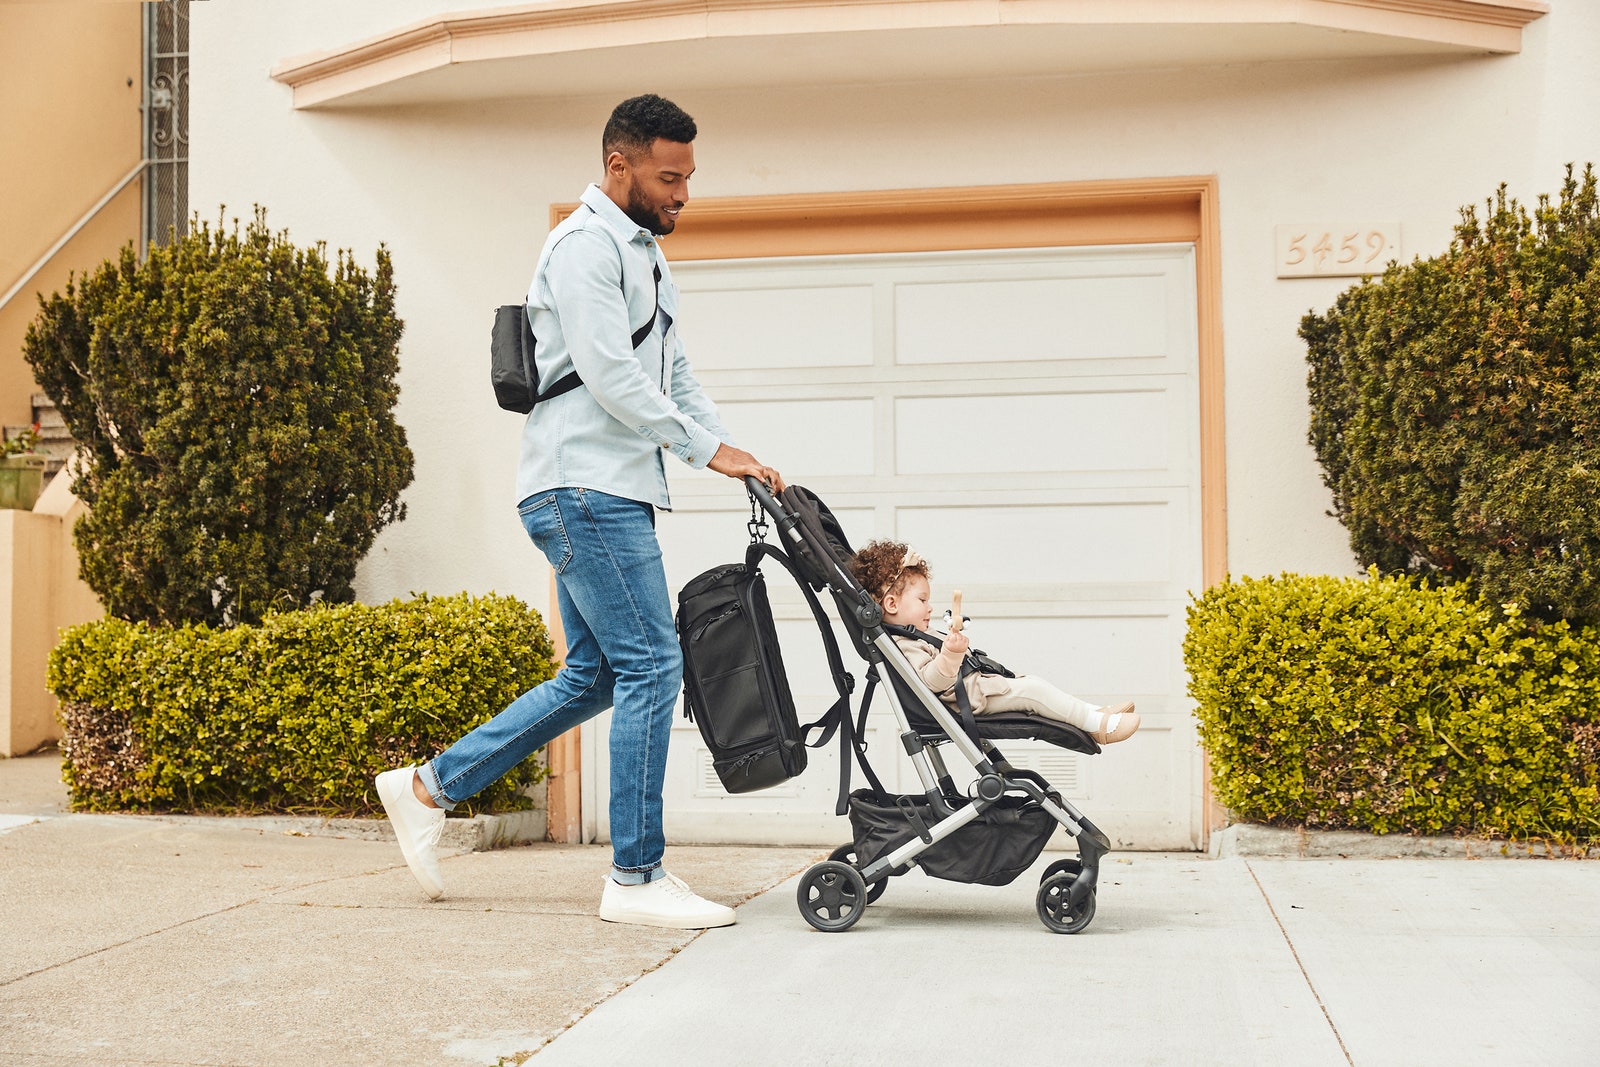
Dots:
pixel 166 120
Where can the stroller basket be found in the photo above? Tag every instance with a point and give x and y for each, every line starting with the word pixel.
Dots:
pixel 992 850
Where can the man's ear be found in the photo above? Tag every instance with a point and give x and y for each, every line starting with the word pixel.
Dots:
pixel 617 165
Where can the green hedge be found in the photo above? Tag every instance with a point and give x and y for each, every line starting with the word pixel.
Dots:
pixel 1455 407
pixel 232 397
pixel 1386 706
pixel 296 713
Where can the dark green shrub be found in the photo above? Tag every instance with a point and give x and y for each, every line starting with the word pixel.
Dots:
pixel 233 401
pixel 1380 705
pixel 294 714
pixel 1456 407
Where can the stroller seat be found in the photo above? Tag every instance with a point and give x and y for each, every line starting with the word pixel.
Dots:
pixel 997 726
pixel 1019 726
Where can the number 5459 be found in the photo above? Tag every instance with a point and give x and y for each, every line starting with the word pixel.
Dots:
pixel 1306 250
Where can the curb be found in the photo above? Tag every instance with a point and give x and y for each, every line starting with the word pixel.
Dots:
pixel 1248 840
pixel 481 833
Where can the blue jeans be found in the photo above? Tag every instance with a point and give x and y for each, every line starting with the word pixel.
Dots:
pixel 622 650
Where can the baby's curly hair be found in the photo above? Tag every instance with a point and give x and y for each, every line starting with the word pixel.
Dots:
pixel 882 567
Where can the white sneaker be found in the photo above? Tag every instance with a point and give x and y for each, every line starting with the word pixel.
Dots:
pixel 416 827
pixel 664 902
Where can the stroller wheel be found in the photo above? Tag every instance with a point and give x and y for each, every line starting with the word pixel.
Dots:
pixel 847 854
pixel 1054 909
pixel 1072 867
pixel 832 896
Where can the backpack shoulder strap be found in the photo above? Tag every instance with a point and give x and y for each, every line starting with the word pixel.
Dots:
pixel 843 681
pixel 837 718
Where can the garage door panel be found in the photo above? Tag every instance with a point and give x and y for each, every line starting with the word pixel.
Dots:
pixel 800 811
pixel 1032 433
pixel 1042 318
pixel 696 540
pixel 777 328
pixel 816 438
pixel 1097 658
pixel 1107 543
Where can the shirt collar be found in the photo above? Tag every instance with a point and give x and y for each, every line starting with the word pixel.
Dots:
pixel 613 216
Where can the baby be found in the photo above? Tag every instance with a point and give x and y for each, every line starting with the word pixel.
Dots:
pixel 897 578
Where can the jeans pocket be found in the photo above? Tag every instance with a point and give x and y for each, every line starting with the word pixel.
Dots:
pixel 615 512
pixel 542 519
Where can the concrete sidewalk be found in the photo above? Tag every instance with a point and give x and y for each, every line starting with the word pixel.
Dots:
pixel 1189 961
pixel 127 940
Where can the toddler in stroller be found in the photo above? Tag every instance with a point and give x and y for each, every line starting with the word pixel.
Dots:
pixel 899 579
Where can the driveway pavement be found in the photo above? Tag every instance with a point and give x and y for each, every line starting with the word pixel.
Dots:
pixel 134 940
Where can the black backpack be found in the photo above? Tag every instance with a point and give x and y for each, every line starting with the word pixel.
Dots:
pixel 734 685
pixel 735 688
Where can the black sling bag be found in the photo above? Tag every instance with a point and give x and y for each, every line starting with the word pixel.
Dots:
pixel 512 369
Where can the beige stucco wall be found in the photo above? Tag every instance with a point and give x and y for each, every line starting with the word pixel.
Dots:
pixel 40 595
pixel 460 194
pixel 71 129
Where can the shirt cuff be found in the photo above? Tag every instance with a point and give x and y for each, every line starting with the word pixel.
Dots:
pixel 703 444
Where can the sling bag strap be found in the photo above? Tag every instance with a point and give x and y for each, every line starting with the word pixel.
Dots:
pixel 570 380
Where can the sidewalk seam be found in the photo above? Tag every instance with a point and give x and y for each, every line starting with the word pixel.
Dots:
pixel 1300 964
pixel 165 929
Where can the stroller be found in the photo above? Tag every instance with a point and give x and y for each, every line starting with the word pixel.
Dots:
pixel 987 835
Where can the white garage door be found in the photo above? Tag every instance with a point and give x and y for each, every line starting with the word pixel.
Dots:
pixel 1028 419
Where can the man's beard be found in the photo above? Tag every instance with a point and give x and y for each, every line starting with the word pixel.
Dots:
pixel 645 216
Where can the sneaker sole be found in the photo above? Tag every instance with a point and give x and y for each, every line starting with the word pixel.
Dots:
pixel 666 924
pixel 434 890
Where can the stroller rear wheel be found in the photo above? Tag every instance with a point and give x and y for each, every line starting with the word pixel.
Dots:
pixel 847 854
pixel 832 896
pixel 1055 908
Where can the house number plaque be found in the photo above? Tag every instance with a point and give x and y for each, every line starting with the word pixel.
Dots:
pixel 1323 251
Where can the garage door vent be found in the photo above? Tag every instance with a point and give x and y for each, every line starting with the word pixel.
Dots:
pixel 1060 769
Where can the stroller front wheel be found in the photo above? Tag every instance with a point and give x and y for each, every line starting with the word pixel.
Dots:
pixel 832 896
pixel 1072 867
pixel 847 854
pixel 1055 908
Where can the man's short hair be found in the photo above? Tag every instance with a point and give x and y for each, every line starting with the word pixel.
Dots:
pixel 637 122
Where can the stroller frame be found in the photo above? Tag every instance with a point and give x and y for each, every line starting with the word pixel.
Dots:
pixel 834 893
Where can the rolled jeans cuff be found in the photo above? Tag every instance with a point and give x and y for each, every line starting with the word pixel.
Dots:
pixel 622 876
pixel 430 782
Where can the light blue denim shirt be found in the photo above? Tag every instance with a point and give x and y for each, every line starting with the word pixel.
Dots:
pixel 593 288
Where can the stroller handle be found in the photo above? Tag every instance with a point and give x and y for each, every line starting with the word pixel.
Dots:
pixel 769 503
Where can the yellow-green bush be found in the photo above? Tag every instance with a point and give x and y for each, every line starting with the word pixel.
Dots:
pixel 1387 706
pixel 296 713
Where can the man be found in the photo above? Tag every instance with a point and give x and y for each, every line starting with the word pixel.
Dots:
pixel 591 475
